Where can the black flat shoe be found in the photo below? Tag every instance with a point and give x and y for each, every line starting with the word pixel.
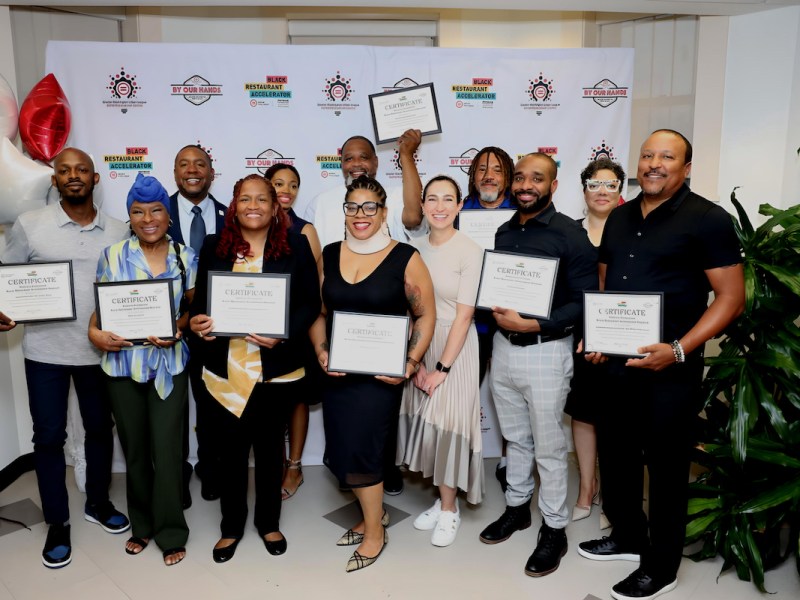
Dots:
pixel 275 548
pixel 222 555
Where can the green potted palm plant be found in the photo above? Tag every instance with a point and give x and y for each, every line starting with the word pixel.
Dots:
pixel 747 496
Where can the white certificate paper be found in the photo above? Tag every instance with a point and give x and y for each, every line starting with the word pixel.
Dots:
pixel 481 224
pixel 368 344
pixel 245 303
pixel 519 282
pixel 136 310
pixel 617 323
pixel 37 292
pixel 407 108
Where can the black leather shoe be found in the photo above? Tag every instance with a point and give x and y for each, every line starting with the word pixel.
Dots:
pixel 275 548
pixel 222 555
pixel 500 475
pixel 209 490
pixel 551 546
pixel 393 482
pixel 640 586
pixel 607 549
pixel 515 518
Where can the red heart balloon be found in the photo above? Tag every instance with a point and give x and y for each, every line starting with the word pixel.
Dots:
pixel 44 119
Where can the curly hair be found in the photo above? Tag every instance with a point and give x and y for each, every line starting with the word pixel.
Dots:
pixel 599 165
pixel 231 242
pixel 446 178
pixel 366 182
pixel 505 163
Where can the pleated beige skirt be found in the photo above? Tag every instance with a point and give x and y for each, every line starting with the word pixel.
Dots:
pixel 440 435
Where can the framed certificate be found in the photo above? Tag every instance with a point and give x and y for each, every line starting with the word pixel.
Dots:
pixel 407 108
pixel 517 281
pixel 617 323
pixel 136 310
pixel 38 292
pixel 368 344
pixel 481 224
pixel 245 303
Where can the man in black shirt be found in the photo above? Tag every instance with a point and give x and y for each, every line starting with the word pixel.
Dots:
pixel 532 363
pixel 668 240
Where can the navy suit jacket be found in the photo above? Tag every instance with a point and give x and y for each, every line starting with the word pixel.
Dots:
pixel 174 230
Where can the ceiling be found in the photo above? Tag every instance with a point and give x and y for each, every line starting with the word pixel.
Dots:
pixel 689 7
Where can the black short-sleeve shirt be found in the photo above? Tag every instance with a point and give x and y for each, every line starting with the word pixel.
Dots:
pixel 668 252
pixel 554 235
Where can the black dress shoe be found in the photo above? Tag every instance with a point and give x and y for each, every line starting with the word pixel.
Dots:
pixel 275 548
pixel 222 555
pixel 639 585
pixel 393 481
pixel 209 490
pixel 515 518
pixel 551 546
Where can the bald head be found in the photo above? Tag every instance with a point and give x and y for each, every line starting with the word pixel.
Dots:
pixel 74 176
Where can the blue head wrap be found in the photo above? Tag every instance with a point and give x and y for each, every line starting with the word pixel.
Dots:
pixel 147 189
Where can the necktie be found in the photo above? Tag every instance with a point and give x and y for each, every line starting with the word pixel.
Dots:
pixel 197 233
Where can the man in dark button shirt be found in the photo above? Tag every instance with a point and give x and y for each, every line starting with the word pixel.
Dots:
pixel 532 363
pixel 668 240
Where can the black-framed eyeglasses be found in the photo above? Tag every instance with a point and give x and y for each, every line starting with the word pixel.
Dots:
pixel 611 185
pixel 370 209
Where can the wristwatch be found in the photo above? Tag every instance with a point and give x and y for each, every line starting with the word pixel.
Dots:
pixel 442 368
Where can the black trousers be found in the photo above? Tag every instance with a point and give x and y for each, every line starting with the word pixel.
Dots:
pixel 647 418
pixel 261 427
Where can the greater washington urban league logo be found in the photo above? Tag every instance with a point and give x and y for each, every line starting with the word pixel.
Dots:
pixel 338 94
pixel 476 94
pixel 123 89
pixel 266 159
pixel 604 150
pixel 540 92
pixel 605 93
pixel 210 151
pixel 133 161
pixel 397 171
pixel 196 90
pixel 273 91
pixel 464 160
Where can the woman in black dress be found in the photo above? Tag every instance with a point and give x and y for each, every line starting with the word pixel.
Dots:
pixel 368 273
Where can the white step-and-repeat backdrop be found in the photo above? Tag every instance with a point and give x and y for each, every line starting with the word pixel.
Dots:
pixel 135 105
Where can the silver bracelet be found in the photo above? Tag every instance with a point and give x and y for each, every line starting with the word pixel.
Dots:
pixel 677 351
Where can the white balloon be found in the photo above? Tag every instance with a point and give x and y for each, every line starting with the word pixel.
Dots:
pixel 24 183
pixel 9 111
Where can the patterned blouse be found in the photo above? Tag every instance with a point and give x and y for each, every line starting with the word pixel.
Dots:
pixel 125 261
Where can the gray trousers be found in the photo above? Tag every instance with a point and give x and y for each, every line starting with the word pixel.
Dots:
pixel 530 385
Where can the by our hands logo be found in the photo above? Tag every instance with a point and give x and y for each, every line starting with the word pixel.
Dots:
pixel 338 88
pixel 123 85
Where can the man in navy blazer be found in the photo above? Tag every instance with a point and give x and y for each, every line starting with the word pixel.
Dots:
pixel 194 174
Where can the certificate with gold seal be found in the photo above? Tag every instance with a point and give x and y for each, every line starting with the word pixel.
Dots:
pixel 245 303
pixel 618 324
pixel 368 344
pixel 37 292
pixel 517 281
pixel 137 309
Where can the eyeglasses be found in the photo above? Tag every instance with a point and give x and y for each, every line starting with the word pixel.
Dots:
pixel 370 209
pixel 612 185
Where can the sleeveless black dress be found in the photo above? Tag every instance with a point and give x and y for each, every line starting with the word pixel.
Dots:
pixel 360 413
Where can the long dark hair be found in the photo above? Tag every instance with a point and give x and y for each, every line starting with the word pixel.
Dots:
pixel 483 156
pixel 232 244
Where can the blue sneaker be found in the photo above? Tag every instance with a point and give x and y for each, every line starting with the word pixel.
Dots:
pixel 57 551
pixel 108 517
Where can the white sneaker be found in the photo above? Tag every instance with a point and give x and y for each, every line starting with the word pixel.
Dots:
pixel 427 520
pixel 446 528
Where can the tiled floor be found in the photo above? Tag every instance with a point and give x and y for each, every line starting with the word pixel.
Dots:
pixel 314 567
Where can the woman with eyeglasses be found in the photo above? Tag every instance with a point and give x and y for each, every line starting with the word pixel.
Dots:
pixel 602 182
pixel 368 273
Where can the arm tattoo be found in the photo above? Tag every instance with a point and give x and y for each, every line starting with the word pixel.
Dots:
pixel 414 340
pixel 324 346
pixel 414 297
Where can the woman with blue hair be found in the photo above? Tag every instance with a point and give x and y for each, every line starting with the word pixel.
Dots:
pixel 147 383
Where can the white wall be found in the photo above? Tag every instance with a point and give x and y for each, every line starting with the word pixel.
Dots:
pixel 761 114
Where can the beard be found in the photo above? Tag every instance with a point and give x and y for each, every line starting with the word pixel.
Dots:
pixel 534 207
pixel 489 197
pixel 77 199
